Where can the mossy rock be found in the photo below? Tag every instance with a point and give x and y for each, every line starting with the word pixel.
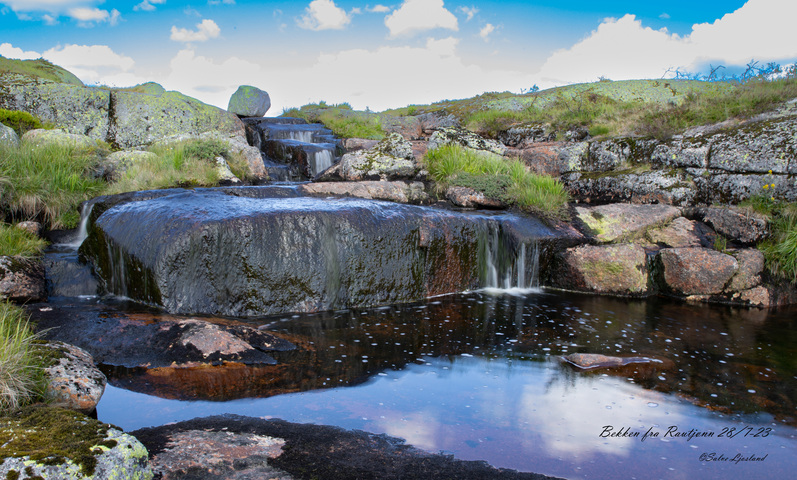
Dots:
pixel 47 442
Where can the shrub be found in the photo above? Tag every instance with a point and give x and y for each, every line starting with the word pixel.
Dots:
pixel 21 375
pixel 21 122
pixel 17 242
pixel 47 183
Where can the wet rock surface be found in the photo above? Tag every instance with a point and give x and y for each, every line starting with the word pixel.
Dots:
pixel 589 361
pixel 22 280
pixel 310 451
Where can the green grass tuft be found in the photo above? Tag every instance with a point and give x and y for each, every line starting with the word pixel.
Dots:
pixel 47 183
pixel 21 122
pixel 780 249
pixel 454 165
pixel 16 242
pixel 21 375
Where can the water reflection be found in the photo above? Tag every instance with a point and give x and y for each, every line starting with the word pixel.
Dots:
pixel 480 376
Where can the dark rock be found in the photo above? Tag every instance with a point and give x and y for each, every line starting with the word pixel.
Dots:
pixel 606 269
pixel 520 137
pixel 73 381
pixel 209 252
pixel 617 221
pixel 22 280
pixel 739 225
pixel 696 271
pixel 317 451
pixel 469 198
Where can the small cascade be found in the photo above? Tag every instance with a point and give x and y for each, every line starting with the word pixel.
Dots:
pixel 293 150
pixel 508 263
pixel 67 275
pixel 82 230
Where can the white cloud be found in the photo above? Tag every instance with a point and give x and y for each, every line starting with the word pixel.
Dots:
pixel 87 17
pixel 486 31
pixel 378 9
pixel 323 15
pixel 95 64
pixel 205 30
pixel 469 11
pixel 9 51
pixel 221 2
pixel 148 5
pixel 625 49
pixel 418 15
pixel 664 16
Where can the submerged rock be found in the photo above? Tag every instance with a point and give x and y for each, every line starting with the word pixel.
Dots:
pixel 588 361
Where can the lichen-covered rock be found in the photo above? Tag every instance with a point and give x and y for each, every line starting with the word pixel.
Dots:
pixel 354 144
pixel 696 271
pixel 682 233
pixel 390 159
pixel 656 186
pixel 41 137
pixel 141 119
pixel 73 381
pixel 470 198
pixel 32 227
pixel 524 136
pixel 617 221
pixel 734 188
pixel 465 138
pixel 225 174
pixel 681 153
pixel 49 442
pixel 739 225
pixel 573 156
pixel 8 137
pixel 210 455
pixel 610 269
pixel 751 266
pixel 22 280
pixel 755 147
pixel 249 101
pixel 397 191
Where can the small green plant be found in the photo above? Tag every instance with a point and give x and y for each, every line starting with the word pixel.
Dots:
pixel 452 163
pixel 47 182
pixel 16 242
pixel 21 375
pixel 21 122
pixel 721 244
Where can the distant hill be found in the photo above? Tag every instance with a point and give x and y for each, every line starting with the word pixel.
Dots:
pixel 38 69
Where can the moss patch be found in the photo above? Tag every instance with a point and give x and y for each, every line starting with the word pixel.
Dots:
pixel 51 436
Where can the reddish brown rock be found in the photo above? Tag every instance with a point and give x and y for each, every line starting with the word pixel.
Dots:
pixel 751 266
pixel 682 233
pixel 469 198
pixel 612 269
pixel 74 382
pixel 22 280
pixel 696 271
pixel 617 221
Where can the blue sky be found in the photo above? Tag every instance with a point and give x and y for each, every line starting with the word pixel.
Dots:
pixel 384 55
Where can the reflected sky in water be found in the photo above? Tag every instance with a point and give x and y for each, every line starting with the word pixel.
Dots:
pixel 481 377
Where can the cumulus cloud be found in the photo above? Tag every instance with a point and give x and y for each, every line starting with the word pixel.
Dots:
pixel 85 12
pixel 205 30
pixel 486 31
pixel 9 51
pixel 148 5
pixel 378 9
pixel 221 2
pixel 419 15
pixel 625 49
pixel 95 64
pixel 323 15
pixel 470 12
pixel 89 16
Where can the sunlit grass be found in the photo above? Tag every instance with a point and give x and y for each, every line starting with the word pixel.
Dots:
pixel 19 243
pixel 21 374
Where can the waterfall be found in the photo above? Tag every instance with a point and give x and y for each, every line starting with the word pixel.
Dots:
pixel 322 160
pixel 82 230
pixel 301 136
pixel 507 263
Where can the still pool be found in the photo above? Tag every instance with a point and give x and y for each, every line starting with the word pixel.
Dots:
pixel 481 376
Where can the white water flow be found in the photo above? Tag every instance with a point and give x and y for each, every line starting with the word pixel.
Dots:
pixel 321 160
pixel 509 269
pixel 82 230
pixel 301 136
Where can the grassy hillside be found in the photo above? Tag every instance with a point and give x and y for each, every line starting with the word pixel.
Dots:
pixel 38 69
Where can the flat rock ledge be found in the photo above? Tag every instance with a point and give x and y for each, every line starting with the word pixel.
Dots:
pixel 236 447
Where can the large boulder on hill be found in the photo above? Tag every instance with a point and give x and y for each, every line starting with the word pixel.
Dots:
pixel 8 137
pixel 249 101
pixel 124 118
